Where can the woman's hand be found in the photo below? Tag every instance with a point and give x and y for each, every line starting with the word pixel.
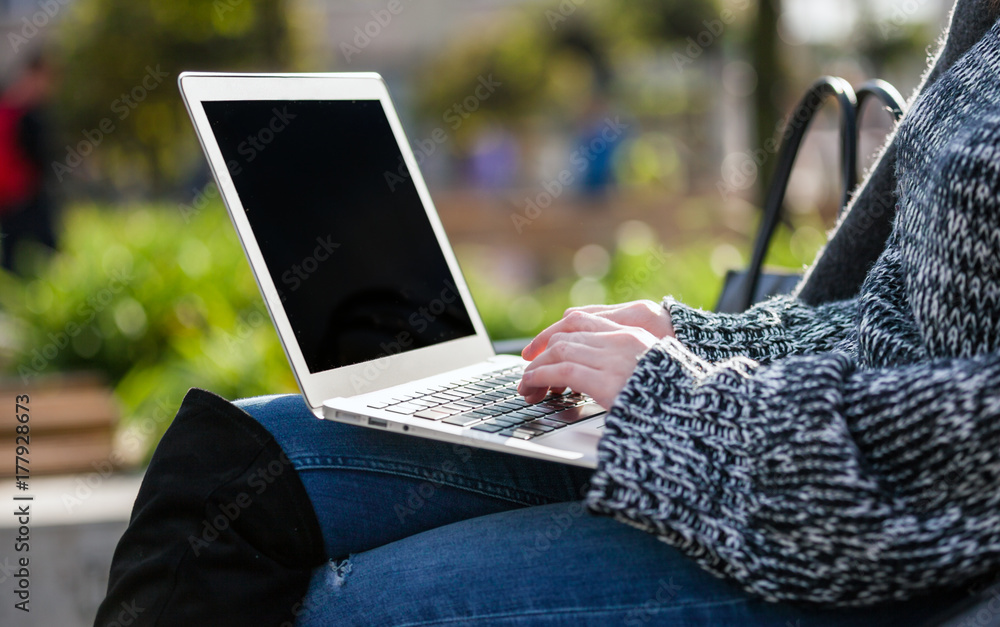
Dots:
pixel 588 352
pixel 644 314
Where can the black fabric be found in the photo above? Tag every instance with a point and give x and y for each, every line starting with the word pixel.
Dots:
pixel 768 284
pixel 216 472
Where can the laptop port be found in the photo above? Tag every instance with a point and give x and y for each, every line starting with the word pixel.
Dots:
pixel 378 422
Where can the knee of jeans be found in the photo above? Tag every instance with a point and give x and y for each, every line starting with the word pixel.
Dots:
pixel 283 415
pixel 264 407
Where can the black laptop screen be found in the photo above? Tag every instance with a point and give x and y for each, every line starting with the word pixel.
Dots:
pixel 340 225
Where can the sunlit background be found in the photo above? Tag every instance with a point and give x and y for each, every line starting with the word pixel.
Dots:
pixel 654 111
pixel 578 151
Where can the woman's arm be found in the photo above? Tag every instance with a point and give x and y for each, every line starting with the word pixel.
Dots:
pixel 776 328
pixel 595 349
pixel 810 480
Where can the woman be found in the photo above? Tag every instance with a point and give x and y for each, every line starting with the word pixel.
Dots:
pixel 833 457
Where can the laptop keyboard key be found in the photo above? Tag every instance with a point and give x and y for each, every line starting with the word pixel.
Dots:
pixel 516 433
pixel 506 406
pixel 534 412
pixel 503 421
pixel 430 414
pixel 576 414
pixel 520 414
pixel 488 428
pixel 492 410
pixel 463 419
pixel 522 433
pixel 549 423
pixel 404 408
pixel 532 426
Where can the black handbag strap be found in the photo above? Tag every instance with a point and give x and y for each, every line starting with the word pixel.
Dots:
pixel 802 116
pixel 885 93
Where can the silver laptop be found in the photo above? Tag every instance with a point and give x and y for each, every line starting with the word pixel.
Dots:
pixel 356 271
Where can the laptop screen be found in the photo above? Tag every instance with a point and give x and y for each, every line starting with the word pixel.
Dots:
pixel 341 227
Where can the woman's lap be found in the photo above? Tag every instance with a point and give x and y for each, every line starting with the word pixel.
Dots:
pixel 370 488
pixel 427 533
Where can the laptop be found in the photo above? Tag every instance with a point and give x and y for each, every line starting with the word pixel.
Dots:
pixel 357 274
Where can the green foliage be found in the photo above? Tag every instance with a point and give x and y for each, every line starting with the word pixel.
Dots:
pixel 156 300
pixel 106 48
pixel 550 57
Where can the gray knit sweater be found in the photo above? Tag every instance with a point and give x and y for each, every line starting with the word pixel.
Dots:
pixel 846 453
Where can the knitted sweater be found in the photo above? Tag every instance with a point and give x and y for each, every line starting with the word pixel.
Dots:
pixel 847 453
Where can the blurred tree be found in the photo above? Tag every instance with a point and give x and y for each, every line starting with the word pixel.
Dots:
pixel 768 98
pixel 538 54
pixel 121 60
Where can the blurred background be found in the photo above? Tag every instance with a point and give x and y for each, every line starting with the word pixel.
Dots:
pixel 578 151
pixel 656 112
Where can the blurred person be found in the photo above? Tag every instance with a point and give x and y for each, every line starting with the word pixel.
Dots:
pixel 600 138
pixel 495 159
pixel 826 458
pixel 26 206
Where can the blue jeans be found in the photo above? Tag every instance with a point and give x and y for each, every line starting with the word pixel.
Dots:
pixel 420 532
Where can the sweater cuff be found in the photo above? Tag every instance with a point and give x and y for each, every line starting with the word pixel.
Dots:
pixel 674 458
pixel 759 333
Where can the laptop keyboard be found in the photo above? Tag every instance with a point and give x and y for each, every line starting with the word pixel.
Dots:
pixel 491 403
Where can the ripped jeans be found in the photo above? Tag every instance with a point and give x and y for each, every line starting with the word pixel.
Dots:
pixel 420 532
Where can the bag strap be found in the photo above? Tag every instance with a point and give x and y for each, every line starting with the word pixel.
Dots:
pixel 884 93
pixel 798 123
pixel 851 103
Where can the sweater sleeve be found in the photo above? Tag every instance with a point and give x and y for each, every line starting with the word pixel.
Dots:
pixel 810 480
pixel 776 328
